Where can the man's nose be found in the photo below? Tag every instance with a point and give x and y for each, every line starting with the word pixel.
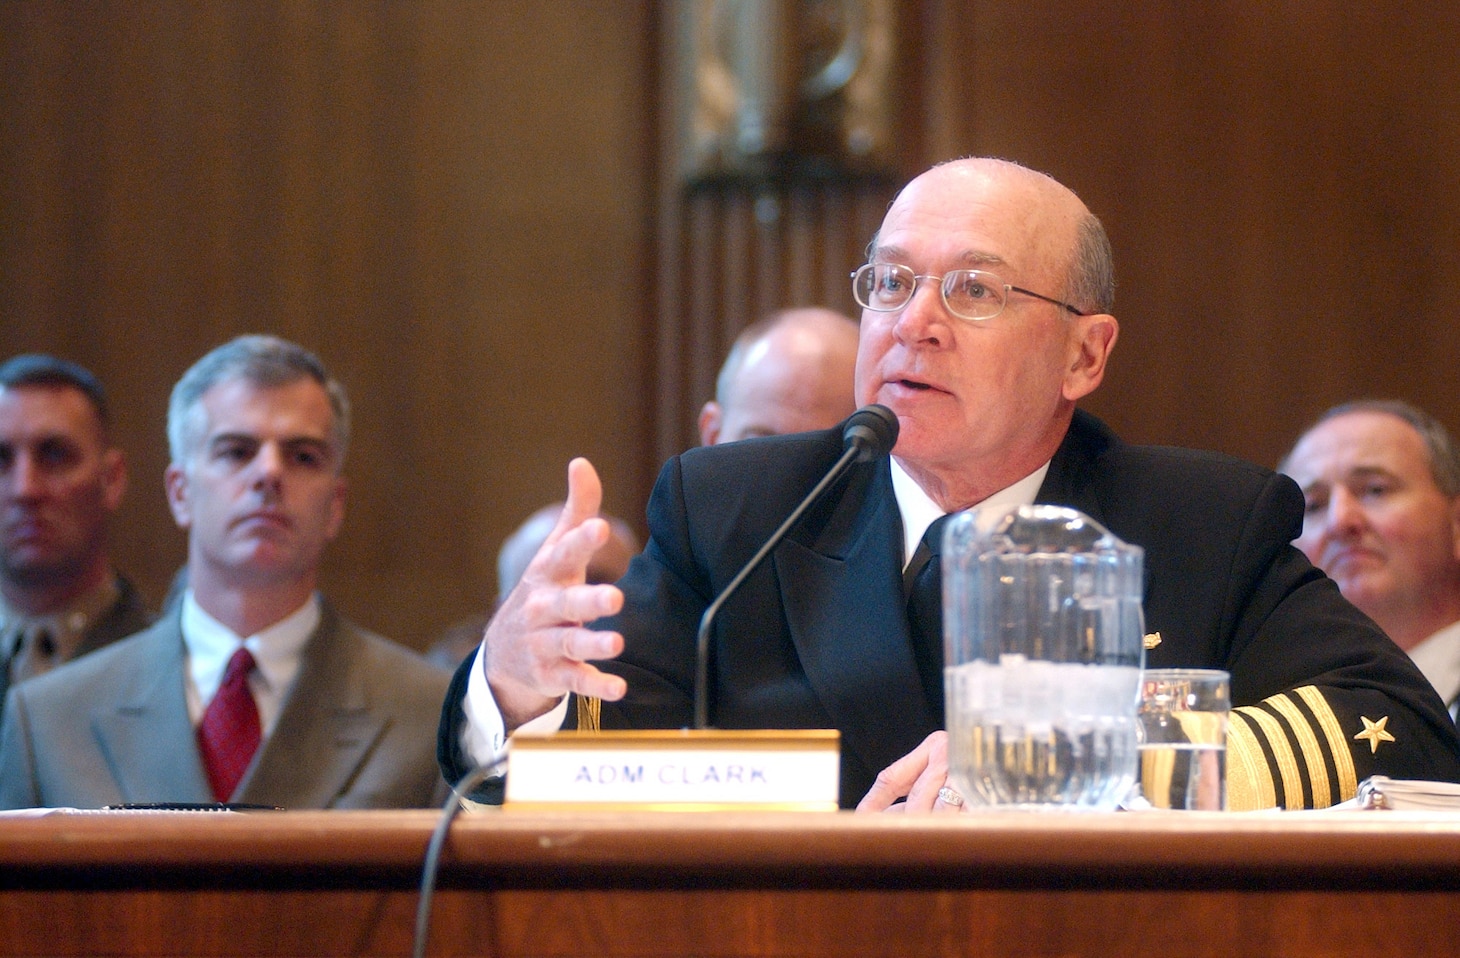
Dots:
pixel 268 465
pixel 1345 512
pixel 24 479
pixel 924 318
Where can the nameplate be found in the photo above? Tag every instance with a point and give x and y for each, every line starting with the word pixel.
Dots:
pixel 680 770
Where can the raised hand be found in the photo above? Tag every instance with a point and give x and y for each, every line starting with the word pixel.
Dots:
pixel 537 648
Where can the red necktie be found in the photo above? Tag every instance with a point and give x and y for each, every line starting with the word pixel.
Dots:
pixel 229 733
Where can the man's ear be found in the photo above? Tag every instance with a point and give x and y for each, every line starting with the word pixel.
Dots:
pixel 337 508
pixel 113 478
pixel 710 422
pixel 175 483
pixel 1455 526
pixel 1091 340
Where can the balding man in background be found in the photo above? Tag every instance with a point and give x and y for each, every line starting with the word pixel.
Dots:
pixel 790 372
pixel 1381 487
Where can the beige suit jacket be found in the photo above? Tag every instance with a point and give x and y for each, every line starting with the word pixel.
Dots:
pixel 356 731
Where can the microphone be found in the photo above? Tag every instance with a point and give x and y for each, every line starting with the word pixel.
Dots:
pixel 869 433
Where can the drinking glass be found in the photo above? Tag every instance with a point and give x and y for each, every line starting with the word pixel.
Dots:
pixel 1184 738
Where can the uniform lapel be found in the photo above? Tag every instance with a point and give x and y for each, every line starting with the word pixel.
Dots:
pixel 325 731
pixel 145 736
pixel 1069 480
pixel 841 589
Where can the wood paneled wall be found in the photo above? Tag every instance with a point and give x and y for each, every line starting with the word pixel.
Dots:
pixel 449 202
pixel 465 208
pixel 1280 185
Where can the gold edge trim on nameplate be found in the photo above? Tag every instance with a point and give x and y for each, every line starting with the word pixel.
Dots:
pixel 540 806
pixel 719 740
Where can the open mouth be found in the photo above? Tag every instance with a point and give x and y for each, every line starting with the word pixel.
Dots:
pixel 910 386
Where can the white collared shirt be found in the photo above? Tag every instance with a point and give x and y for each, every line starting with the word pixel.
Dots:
pixel 919 510
pixel 276 651
pixel 484 737
pixel 1438 657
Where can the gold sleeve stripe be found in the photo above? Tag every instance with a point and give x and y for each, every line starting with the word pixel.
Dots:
pixel 1249 780
pixel 1158 767
pixel 1308 748
pixel 1271 731
pixel 1338 745
pixel 589 713
pixel 1330 764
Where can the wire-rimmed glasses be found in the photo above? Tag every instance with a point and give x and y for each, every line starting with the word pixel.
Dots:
pixel 971 294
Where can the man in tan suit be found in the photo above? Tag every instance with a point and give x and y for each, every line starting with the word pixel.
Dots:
pixel 252 689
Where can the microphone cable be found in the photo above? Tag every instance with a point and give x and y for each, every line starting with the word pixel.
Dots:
pixel 449 811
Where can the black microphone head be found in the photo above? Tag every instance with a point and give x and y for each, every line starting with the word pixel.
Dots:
pixel 873 430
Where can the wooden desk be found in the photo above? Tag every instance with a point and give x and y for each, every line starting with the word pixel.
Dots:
pixel 645 884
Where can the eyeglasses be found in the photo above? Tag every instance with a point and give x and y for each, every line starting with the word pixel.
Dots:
pixel 971 294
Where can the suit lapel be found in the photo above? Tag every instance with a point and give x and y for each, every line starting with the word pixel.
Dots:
pixel 858 657
pixel 146 737
pixel 325 731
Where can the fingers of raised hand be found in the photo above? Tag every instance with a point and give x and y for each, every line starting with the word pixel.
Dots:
pixel 585 493
pixel 563 558
pixel 560 658
pixel 549 606
pixel 554 660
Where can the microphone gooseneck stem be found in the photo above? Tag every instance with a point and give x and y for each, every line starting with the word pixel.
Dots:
pixel 702 640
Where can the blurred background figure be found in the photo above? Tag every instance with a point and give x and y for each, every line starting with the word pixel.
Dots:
pixel 789 372
pixel 608 565
pixel 61 480
pixel 1381 482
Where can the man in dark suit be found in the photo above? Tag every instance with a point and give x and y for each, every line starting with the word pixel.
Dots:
pixel 61 480
pixel 986 318
pixel 252 689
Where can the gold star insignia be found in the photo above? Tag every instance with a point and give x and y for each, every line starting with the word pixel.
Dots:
pixel 1151 639
pixel 1374 733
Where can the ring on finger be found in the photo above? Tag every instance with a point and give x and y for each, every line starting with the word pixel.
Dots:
pixel 949 796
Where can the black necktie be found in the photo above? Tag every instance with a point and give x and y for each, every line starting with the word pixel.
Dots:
pixel 924 582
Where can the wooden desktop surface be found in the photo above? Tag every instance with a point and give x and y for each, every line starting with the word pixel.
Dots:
pixel 767 884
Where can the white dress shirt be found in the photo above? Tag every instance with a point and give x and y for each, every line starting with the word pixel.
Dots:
pixel 484 738
pixel 276 652
pixel 1438 657
pixel 919 510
